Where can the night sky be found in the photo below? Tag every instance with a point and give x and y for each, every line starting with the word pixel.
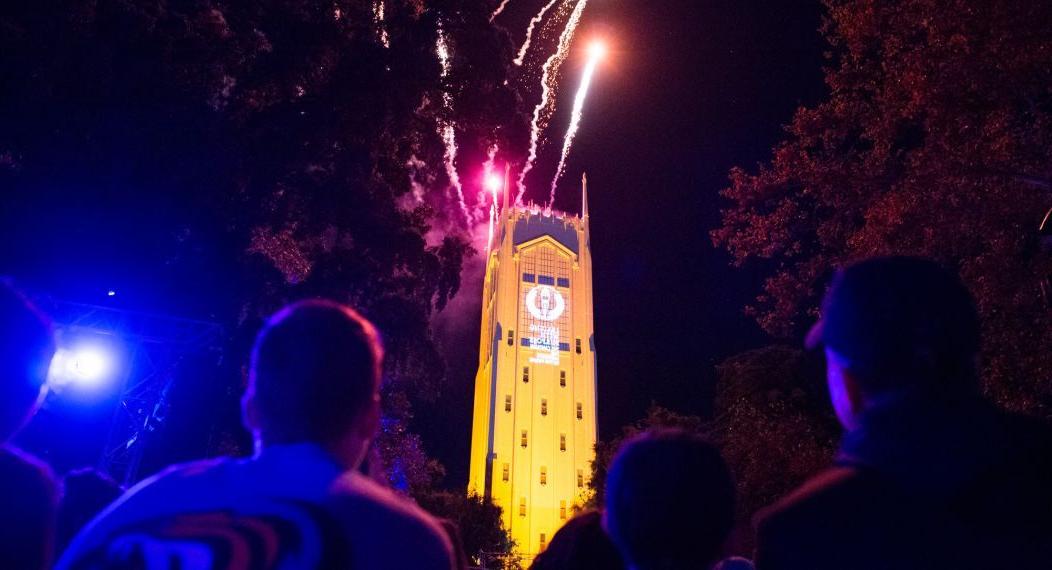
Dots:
pixel 690 89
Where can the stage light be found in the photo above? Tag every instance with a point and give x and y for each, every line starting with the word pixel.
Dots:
pixel 111 293
pixel 82 365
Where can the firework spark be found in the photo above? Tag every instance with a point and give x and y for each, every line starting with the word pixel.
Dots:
pixel 595 53
pixel 446 129
pixel 503 5
pixel 381 24
pixel 529 31
pixel 542 112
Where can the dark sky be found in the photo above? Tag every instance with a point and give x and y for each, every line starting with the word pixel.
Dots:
pixel 690 89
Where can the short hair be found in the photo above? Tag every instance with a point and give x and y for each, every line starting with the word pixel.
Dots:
pixel 669 501
pixel 27 345
pixel 315 367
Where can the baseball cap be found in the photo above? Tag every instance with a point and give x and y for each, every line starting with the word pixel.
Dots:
pixel 898 317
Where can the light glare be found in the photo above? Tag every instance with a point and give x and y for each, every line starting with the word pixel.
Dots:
pixel 83 365
pixel 597 50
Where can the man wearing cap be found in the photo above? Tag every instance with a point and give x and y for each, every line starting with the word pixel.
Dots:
pixel 929 474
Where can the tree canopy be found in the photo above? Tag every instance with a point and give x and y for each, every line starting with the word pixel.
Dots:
pixel 935 140
pixel 220 159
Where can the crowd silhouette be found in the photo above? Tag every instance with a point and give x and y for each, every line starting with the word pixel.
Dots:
pixel 929 473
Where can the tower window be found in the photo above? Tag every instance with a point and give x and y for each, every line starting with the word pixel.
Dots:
pixel 563 282
pixel 562 510
pixel 562 442
pixel 529 277
pixel 544 475
pixel 544 541
pixel 545 280
pixel 526 374
pixel 507 403
pixel 580 411
pixel 522 506
pixel 524 438
pixel 580 478
pixel 544 407
pixel 506 473
pixel 562 378
pixel 511 338
pixel 577 345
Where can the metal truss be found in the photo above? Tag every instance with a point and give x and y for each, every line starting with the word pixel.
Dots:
pixel 155 346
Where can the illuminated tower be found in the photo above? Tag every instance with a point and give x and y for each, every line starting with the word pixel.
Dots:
pixel 534 426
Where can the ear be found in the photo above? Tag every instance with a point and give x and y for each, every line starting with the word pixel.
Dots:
pixel 249 411
pixel 844 390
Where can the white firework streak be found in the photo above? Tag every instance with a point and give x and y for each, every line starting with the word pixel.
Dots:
pixel 446 130
pixel 542 112
pixel 503 5
pixel 529 31
pixel 575 120
pixel 381 25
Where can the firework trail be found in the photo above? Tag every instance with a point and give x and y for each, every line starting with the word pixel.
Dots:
pixel 529 31
pixel 542 112
pixel 503 5
pixel 445 127
pixel 381 25
pixel 595 53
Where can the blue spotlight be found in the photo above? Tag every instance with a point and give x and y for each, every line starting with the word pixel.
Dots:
pixel 86 365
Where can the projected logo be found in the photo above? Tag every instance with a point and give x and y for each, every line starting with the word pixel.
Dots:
pixel 545 305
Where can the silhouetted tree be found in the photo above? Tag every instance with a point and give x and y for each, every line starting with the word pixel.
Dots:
pixel 935 140
pixel 773 425
pixel 220 159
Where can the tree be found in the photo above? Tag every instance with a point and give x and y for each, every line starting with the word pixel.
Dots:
pixel 773 425
pixel 478 521
pixel 221 159
pixel 935 140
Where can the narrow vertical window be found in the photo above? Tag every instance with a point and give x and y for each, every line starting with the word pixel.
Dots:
pixel 507 403
pixel 526 374
pixel 580 478
pixel 544 541
pixel 577 345
pixel 562 442
pixel 544 407
pixel 505 474
pixel 511 338
pixel 580 411
pixel 522 506
pixel 562 378
pixel 544 475
pixel 524 438
pixel 562 510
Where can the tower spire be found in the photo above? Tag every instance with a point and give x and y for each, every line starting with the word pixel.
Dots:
pixel 584 196
pixel 507 186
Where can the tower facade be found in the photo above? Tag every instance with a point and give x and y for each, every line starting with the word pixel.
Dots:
pixel 534 426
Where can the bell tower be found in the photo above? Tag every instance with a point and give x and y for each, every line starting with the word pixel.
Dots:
pixel 534 426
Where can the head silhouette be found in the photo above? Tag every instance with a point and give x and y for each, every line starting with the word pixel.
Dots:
pixel 893 325
pixel 581 544
pixel 669 501
pixel 315 378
